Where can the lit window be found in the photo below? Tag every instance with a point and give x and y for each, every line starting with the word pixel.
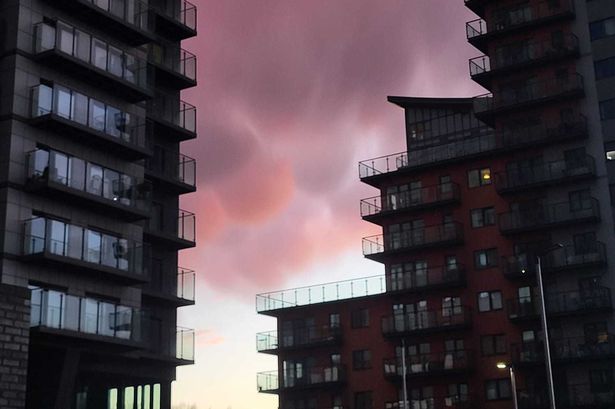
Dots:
pixel 610 155
pixel 479 177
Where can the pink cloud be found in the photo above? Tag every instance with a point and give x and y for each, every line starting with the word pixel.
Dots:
pixel 291 95
pixel 207 337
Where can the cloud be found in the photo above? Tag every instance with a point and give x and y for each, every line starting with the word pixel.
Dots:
pixel 207 337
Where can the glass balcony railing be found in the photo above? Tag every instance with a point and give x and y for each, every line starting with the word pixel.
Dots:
pixel 537 215
pixel 176 60
pixel 410 199
pixel 88 114
pixel 522 308
pixel 531 92
pixel 55 238
pixel 132 12
pixel 183 228
pixel 584 301
pixel 525 53
pixel 525 177
pixel 599 347
pixel 93 52
pixel 591 254
pixel 49 167
pixel 60 311
pixel 429 364
pixel 312 335
pixel 422 279
pixel 428 236
pixel 309 377
pixel 186 283
pixel 515 17
pixel 173 166
pixel 335 291
pixel 444 319
pixel 487 141
pixel 184 345
pixel 182 11
pixel 176 113
pixel 460 401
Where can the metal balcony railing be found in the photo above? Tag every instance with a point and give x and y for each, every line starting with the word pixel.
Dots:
pixel 310 376
pixel 184 344
pixel 312 335
pixel 425 321
pixel 592 253
pixel 413 239
pixel 584 348
pixel 55 238
pixel 84 112
pixel 186 283
pixel 510 18
pixel 172 165
pixel 429 364
pixel 531 92
pixel 528 353
pixel 60 311
pixel 177 113
pixel 523 54
pixel 586 396
pixel 175 59
pixel 182 228
pixel 421 279
pixel 523 308
pixel 181 11
pixel 461 401
pixel 540 215
pixel 50 167
pixel 524 177
pixel 584 301
pixel 416 198
pixel 315 294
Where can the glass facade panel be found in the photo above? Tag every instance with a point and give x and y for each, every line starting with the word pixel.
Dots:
pixel 57 238
pixel 116 60
pixel 83 43
pixel 42 100
pixel 80 110
pixel 111 182
pixel 65 39
pixel 75 242
pixel 71 312
pixel 77 172
pixel 108 249
pixel 94 179
pixel 52 302
pixel 63 102
pixel 99 54
pixel 92 246
pixel 114 121
pixel 89 316
pixel 97 115
pixel 106 320
pixel 59 168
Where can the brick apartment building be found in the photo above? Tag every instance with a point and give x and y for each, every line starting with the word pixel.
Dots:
pixel 90 179
pixel 487 186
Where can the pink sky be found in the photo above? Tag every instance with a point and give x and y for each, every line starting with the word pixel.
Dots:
pixel 291 95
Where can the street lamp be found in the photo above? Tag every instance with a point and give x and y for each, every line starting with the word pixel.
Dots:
pixel 545 330
pixel 513 380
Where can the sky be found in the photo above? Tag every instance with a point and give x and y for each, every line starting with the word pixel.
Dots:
pixel 291 96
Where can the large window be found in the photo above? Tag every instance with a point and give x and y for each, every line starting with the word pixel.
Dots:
pixel 498 389
pixel 486 258
pixel 479 177
pixel 493 344
pixel 489 301
pixel 482 217
pixel 602 28
pixel 361 359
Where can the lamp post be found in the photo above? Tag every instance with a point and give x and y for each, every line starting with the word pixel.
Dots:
pixel 513 381
pixel 545 329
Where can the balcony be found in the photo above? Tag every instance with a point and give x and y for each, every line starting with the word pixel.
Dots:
pixel 524 308
pixel 127 20
pixel 174 67
pixel 580 349
pixel 509 20
pixel 300 338
pixel 176 20
pixel 544 174
pixel 437 402
pixel 593 254
pixel 87 57
pixel 314 377
pixel 429 278
pixel 528 354
pixel 269 303
pixel 56 314
pixel 83 249
pixel 443 320
pixel 178 233
pixel 379 246
pixel 532 399
pixel 89 121
pixel 161 343
pixel 586 396
pixel 436 364
pixel 532 93
pixel 184 345
pixel 176 171
pixel 537 216
pixel 521 56
pixel 172 118
pixel 394 203
pixel 60 176
pixel 590 301
pixel 177 289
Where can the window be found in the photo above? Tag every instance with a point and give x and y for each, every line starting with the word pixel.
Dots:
pixel 334 320
pixel 602 28
pixel 479 177
pixel 361 359
pixel 363 400
pixel 457 392
pixel 596 332
pixel 493 344
pixel 486 258
pixel 580 200
pixel 360 318
pixel 605 68
pixel 453 345
pixel 607 109
pixel 585 243
pixel 451 306
pixel 336 359
pixel 498 389
pixel 482 217
pixel 489 301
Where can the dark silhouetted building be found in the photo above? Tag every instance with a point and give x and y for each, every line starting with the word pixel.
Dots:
pixel 487 186
pixel 90 178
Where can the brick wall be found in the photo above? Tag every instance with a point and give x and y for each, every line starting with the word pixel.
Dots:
pixel 14 337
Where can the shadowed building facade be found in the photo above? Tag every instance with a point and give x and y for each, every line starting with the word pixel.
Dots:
pixel 91 174
pixel 487 185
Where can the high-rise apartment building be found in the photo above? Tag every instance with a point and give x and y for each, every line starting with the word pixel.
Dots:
pixel 489 186
pixel 91 174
